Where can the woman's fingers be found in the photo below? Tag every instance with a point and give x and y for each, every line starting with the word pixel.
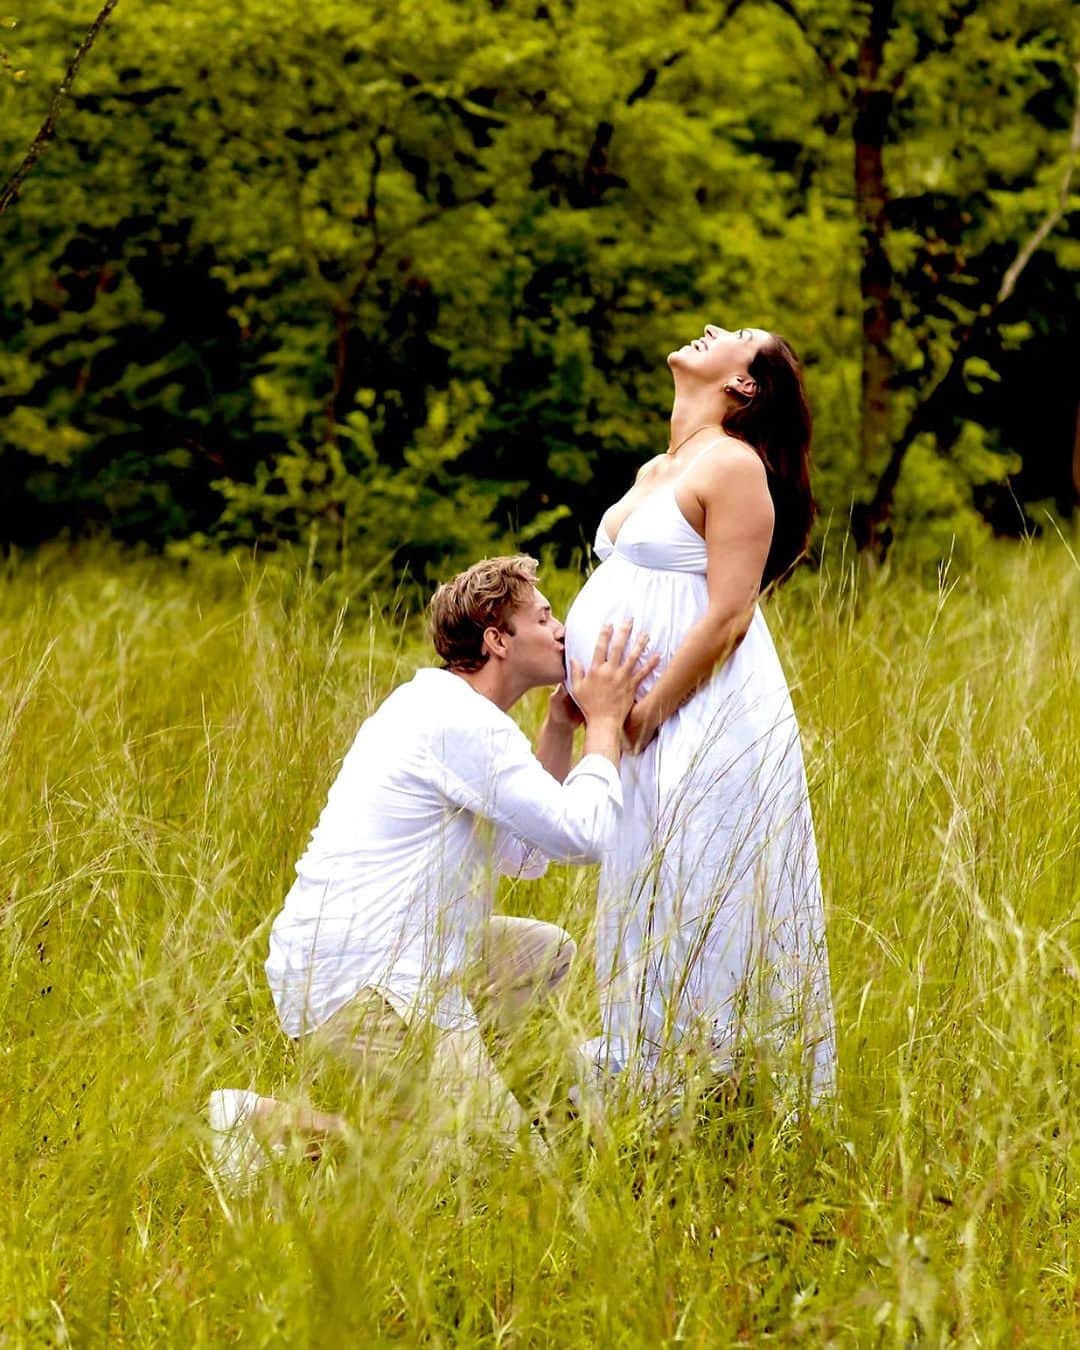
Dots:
pixel 576 673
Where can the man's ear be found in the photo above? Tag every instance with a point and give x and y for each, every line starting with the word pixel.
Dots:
pixel 495 643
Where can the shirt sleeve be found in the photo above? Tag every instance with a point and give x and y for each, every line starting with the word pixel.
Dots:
pixel 514 857
pixel 491 771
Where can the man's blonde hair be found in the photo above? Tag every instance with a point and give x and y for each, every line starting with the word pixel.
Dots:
pixel 483 596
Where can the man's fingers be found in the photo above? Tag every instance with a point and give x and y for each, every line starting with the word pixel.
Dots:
pixel 603 642
pixel 648 668
pixel 637 651
pixel 619 641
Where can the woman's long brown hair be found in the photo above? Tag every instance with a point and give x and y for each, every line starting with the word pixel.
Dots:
pixel 777 423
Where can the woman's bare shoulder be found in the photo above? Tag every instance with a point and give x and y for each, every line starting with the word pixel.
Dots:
pixel 649 468
pixel 727 459
pixel 729 480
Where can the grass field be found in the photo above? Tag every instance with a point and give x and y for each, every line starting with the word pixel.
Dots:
pixel 167 738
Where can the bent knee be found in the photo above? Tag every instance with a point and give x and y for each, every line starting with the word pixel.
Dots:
pixel 563 949
pixel 523 949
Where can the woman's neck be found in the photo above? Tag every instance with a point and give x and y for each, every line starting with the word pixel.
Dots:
pixel 688 417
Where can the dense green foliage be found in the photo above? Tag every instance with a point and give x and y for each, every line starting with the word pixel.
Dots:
pixel 408 272
pixel 167 739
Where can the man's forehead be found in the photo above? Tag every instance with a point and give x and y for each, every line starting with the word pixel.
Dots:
pixel 540 600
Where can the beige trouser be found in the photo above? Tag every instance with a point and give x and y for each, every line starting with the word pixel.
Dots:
pixel 450 1076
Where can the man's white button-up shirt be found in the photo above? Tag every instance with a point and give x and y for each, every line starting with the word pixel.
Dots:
pixel 439 793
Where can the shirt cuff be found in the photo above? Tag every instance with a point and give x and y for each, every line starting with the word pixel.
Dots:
pixel 598 766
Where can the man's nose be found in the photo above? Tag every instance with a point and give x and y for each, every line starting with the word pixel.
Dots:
pixel 560 631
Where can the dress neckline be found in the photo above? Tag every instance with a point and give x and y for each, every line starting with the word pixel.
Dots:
pixel 656 492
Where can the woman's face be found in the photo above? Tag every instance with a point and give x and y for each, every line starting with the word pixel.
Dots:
pixel 719 353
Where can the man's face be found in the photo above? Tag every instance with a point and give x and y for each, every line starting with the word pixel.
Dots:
pixel 535 649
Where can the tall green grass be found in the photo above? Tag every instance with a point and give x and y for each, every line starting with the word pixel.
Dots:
pixel 166 740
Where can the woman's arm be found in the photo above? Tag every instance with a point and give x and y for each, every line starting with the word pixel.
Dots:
pixel 729 488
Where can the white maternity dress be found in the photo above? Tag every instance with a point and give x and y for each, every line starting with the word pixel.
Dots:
pixel 710 928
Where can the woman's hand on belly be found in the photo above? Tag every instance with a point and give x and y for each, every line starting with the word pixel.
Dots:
pixel 641 725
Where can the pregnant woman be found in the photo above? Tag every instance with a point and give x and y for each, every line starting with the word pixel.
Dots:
pixel 710 932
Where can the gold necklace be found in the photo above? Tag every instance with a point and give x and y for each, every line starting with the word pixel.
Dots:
pixel 674 449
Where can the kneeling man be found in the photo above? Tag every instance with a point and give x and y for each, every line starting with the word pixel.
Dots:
pixel 387 931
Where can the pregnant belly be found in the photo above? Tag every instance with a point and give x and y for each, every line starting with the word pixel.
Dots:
pixel 663 604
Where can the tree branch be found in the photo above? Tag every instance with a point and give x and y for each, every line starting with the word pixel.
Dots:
pixel 953 24
pixel 788 7
pixel 1055 216
pixel 37 147
pixel 1025 254
pixel 869 517
pixel 356 282
pixel 373 186
pixel 647 83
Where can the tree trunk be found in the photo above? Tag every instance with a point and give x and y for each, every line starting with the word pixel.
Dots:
pixel 1076 456
pixel 873 109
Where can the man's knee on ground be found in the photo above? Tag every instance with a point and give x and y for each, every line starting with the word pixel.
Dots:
pixel 523 959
